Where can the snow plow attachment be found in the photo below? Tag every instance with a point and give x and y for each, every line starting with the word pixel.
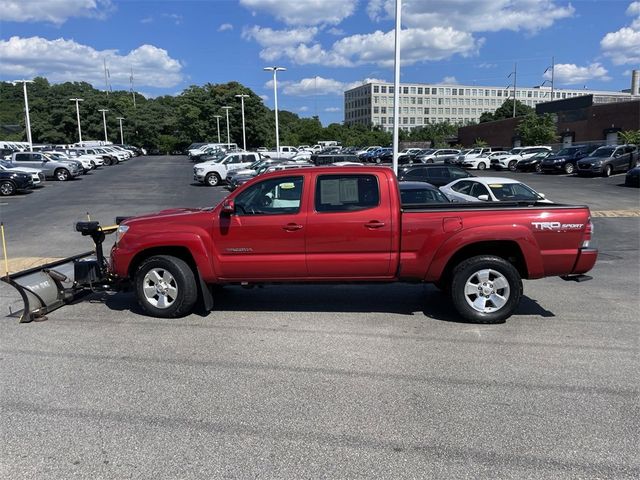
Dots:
pixel 48 287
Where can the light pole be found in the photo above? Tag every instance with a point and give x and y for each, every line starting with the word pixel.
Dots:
pixel 104 122
pixel 77 100
pixel 121 134
pixel 27 121
pixel 552 68
pixel 218 117
pixel 275 100
pixel 226 109
pixel 515 75
pixel 396 87
pixel 244 136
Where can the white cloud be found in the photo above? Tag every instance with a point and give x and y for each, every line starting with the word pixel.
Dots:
pixel 52 11
pixel 475 15
pixel 224 27
pixel 418 45
pixel 319 86
pixel 623 46
pixel 268 37
pixel 303 109
pixel 264 97
pixel 66 60
pixel 571 74
pixel 338 32
pixel 176 18
pixel 304 12
pixel 147 20
pixel 450 81
pixel 333 109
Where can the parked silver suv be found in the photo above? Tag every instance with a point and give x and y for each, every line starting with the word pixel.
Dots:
pixel 59 169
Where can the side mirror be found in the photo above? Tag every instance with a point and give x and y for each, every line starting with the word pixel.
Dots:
pixel 484 198
pixel 541 195
pixel 228 207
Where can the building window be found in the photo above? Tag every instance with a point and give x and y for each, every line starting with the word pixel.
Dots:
pixel 405 120
pixel 375 99
pixel 529 93
pixel 405 90
pixel 391 89
pixel 426 111
pixel 383 120
pixel 383 109
pixel 405 109
pixel 454 91
pixel 434 91
pixel 413 90
pixel 419 90
pixel 412 121
pixel 376 89
pixel 419 100
pixel 383 89
pixel 376 109
pixel 467 91
pixel 447 91
pixel 413 100
pixel 419 110
pixel 440 111
pixel 441 101
pixel 376 120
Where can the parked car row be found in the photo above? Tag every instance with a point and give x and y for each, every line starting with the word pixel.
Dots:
pixel 24 170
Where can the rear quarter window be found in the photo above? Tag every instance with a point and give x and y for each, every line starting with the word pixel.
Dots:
pixel 346 193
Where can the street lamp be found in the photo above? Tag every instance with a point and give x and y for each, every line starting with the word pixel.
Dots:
pixel 218 117
pixel 515 76
pixel 78 116
pixel 244 136
pixel 275 99
pixel 552 68
pixel 104 122
pixel 27 121
pixel 396 87
pixel 121 134
pixel 226 109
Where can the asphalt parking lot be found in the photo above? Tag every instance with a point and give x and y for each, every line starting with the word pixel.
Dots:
pixel 375 381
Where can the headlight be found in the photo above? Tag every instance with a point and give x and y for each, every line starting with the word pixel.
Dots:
pixel 198 170
pixel 122 229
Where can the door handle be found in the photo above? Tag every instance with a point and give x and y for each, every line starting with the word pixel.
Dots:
pixel 292 227
pixel 374 224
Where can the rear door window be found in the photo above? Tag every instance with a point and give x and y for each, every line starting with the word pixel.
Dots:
pixel 463 187
pixel 346 193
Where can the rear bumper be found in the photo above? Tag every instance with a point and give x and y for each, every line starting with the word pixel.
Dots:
pixel 586 260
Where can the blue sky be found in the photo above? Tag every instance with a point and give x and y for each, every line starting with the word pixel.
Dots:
pixel 326 45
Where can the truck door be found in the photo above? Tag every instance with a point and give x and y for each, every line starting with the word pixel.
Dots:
pixel 349 229
pixel 264 239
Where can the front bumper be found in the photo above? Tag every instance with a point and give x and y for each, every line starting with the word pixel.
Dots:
pixel 552 167
pixel 589 168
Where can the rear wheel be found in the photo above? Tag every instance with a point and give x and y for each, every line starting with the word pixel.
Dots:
pixel 569 168
pixel 7 188
pixel 486 289
pixel 107 161
pixel 62 174
pixel 166 287
pixel 212 179
pixel 538 168
pixel 607 171
pixel 512 165
pixel 482 166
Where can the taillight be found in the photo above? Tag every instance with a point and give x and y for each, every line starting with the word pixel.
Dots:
pixel 586 236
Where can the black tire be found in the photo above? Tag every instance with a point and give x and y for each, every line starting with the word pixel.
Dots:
pixel 569 168
pixel 538 168
pixel 512 165
pixel 107 161
pixel 185 285
pixel 430 160
pixel 62 174
pixel 7 188
pixel 607 171
pixel 482 166
pixel 212 179
pixel 466 270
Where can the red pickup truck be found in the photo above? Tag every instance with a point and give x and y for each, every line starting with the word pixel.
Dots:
pixel 347 224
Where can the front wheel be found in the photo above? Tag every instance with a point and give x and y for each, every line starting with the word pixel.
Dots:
pixel 486 289
pixel 569 168
pixel 538 168
pixel 62 174
pixel 482 166
pixel 212 179
pixel 166 287
pixel 7 188
pixel 512 165
pixel 607 171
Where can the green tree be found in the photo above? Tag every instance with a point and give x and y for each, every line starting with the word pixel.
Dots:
pixel 506 111
pixel 630 137
pixel 480 143
pixel 537 129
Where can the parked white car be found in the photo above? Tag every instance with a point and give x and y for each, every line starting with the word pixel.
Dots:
pixel 212 173
pixel 517 154
pixel 491 189
pixel 37 175
pixel 285 152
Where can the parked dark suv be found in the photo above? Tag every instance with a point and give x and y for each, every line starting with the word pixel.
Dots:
pixel 564 160
pixel 434 174
pixel 609 159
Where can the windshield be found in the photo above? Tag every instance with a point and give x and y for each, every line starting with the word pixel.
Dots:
pixel 6 164
pixel 567 151
pixel 515 151
pixel 511 192
pixel 541 155
pixel 603 152
pixel 476 150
